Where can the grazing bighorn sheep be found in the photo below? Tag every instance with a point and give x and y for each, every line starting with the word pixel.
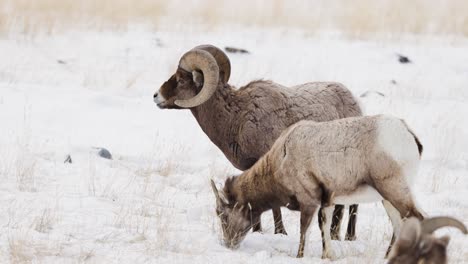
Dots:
pixel 416 244
pixel 312 165
pixel 244 123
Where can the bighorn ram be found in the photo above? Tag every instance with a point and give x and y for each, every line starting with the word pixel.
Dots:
pixel 312 165
pixel 243 123
pixel 416 244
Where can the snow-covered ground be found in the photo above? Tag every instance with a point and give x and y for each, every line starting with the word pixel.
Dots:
pixel 67 94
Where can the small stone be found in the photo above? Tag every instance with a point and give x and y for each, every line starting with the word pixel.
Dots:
pixel 104 153
pixel 403 59
pixel 236 50
pixel 68 159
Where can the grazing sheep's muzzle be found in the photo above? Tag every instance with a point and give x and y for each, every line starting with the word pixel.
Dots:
pixel 232 244
pixel 158 100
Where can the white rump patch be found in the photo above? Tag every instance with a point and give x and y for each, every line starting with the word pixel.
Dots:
pixel 364 194
pixel 395 140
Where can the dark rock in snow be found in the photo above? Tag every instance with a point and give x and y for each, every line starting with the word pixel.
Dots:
pixel 68 159
pixel 236 50
pixel 104 153
pixel 61 62
pixel 403 59
pixel 393 82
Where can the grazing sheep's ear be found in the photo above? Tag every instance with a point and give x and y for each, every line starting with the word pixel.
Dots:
pixel 409 237
pixel 197 78
pixel 220 199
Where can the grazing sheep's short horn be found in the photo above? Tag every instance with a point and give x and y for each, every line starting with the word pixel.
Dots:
pixel 432 224
pixel 205 62
pixel 221 58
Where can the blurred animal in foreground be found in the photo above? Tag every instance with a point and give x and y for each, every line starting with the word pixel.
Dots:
pixel 417 244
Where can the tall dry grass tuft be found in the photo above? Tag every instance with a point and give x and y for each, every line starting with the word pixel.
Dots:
pixel 353 18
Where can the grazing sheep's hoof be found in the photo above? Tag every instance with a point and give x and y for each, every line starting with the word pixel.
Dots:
pixel 335 236
pixel 281 231
pixel 257 228
pixel 329 255
pixel 350 238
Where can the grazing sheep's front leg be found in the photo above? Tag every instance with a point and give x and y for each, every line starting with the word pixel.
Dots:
pixel 279 227
pixel 336 222
pixel 306 217
pixel 256 223
pixel 325 221
pixel 351 230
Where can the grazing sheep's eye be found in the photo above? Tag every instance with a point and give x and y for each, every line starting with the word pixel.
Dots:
pixel 181 81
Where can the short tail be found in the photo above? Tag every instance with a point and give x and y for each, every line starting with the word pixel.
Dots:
pixel 418 143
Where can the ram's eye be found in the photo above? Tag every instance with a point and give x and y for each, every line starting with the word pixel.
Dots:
pixel 181 81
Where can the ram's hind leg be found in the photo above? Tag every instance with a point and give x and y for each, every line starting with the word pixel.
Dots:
pixel 336 222
pixel 279 227
pixel 351 230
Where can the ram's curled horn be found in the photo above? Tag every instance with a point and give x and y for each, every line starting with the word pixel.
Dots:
pixel 432 224
pixel 221 58
pixel 202 60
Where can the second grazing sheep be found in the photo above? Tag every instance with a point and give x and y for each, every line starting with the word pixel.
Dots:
pixel 313 165
pixel 244 123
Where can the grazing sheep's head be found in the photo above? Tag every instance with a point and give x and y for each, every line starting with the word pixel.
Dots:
pixel 196 78
pixel 416 244
pixel 235 219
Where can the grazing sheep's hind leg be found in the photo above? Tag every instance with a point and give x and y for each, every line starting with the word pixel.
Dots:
pixel 325 220
pixel 279 227
pixel 336 222
pixel 395 218
pixel 351 231
pixel 306 217
pixel 397 193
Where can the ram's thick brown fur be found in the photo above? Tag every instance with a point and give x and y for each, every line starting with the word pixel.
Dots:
pixel 244 123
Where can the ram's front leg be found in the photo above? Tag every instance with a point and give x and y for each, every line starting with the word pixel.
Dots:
pixel 306 217
pixel 279 227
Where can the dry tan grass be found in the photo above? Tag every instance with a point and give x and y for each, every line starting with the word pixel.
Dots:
pixel 353 18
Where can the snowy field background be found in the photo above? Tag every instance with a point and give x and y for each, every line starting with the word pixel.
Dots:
pixel 65 93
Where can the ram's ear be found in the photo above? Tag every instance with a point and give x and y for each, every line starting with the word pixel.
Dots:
pixel 198 78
